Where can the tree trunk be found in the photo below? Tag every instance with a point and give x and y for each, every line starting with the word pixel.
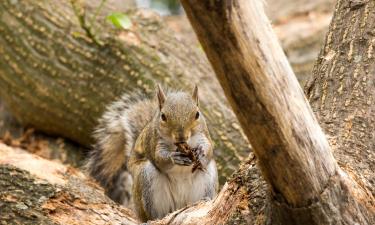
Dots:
pixel 56 78
pixel 343 199
pixel 294 155
pixel 342 90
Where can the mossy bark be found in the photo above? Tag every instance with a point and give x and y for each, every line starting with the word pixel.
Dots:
pixel 58 77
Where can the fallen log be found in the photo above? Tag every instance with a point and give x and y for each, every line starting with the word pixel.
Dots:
pixel 57 76
pixel 37 191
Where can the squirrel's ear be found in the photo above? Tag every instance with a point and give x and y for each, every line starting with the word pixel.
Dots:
pixel 195 95
pixel 161 96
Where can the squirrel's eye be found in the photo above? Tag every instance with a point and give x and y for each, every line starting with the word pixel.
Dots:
pixel 163 117
pixel 197 115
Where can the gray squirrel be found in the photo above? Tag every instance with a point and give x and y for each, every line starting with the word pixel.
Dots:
pixel 137 153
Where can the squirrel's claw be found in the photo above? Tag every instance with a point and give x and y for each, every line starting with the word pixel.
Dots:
pixel 179 158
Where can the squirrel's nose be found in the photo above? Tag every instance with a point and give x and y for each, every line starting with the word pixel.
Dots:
pixel 180 137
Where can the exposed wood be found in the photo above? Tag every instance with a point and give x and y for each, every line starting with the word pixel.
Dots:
pixel 265 96
pixel 56 79
pixel 341 201
pixel 219 210
pixel 294 155
pixel 38 191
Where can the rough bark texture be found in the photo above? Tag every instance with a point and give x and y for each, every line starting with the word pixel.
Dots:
pixel 38 191
pixel 294 156
pixel 347 134
pixel 342 90
pixel 57 79
pixel 251 67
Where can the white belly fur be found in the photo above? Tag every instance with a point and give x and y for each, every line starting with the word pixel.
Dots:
pixel 180 187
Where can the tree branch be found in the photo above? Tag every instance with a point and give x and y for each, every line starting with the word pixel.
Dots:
pixel 293 152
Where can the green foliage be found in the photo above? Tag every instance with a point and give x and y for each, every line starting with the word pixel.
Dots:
pixel 120 20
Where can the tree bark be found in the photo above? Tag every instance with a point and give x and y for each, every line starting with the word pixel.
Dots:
pixel 57 79
pixel 38 191
pixel 294 155
pixel 342 200
pixel 342 91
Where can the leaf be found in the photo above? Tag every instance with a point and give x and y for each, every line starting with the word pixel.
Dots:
pixel 120 20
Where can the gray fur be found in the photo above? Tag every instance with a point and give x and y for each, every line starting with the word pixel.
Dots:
pixel 131 138
pixel 115 135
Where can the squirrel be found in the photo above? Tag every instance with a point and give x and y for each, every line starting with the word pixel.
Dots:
pixel 137 153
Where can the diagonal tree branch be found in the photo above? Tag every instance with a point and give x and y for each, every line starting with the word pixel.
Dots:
pixel 294 155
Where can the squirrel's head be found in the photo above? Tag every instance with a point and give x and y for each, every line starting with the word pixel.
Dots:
pixel 179 114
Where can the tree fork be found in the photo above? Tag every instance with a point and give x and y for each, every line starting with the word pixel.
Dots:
pixel 340 194
pixel 294 155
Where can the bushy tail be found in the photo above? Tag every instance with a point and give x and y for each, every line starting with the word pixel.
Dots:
pixel 115 135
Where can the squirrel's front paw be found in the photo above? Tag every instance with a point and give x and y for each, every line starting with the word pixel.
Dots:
pixel 200 158
pixel 199 152
pixel 182 159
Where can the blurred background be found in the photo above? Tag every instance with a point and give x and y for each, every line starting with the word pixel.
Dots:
pixel 29 121
pixel 300 25
pixel 163 7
